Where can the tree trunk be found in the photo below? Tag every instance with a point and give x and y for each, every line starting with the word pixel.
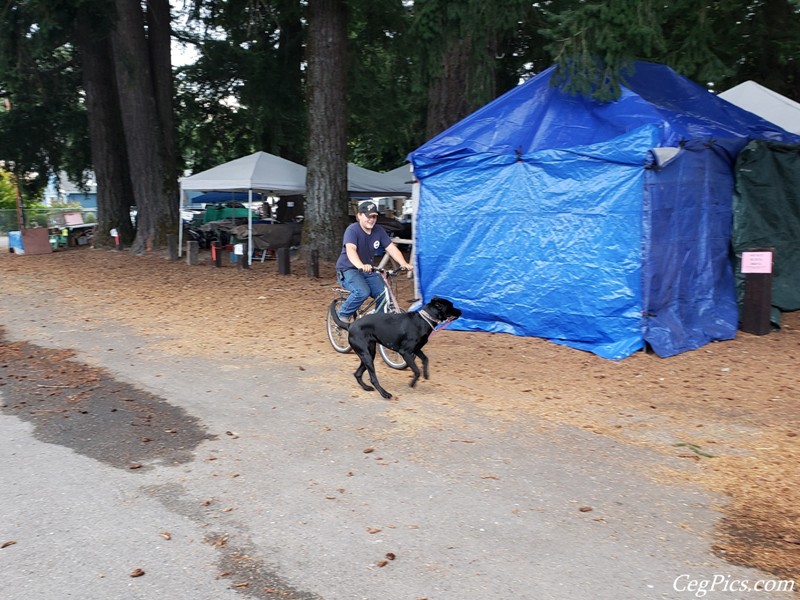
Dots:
pixel 159 44
pixel 107 139
pixel 156 215
pixel 326 178
pixel 448 92
pixel 290 61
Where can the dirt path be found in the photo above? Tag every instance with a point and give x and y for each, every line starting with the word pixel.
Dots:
pixel 730 408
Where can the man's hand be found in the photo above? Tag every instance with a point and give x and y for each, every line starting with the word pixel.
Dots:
pixel 365 268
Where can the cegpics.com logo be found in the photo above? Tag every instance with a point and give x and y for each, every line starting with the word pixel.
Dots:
pixel 699 587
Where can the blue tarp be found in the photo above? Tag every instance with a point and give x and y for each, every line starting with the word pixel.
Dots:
pixel 225 197
pixel 549 215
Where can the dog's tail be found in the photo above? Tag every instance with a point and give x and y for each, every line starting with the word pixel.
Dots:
pixel 335 316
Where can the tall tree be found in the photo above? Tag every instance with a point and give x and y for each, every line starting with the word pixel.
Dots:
pixel 596 42
pixel 764 45
pixel 245 92
pixel 326 179
pixel 159 43
pixel 109 155
pixel 723 42
pixel 157 211
pixel 459 44
pixel 43 124
pixel 70 86
pixel 386 113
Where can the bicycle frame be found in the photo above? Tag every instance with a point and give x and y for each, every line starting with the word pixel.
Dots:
pixel 386 300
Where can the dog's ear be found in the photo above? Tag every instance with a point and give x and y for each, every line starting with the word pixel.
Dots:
pixel 444 303
pixel 449 311
pixel 442 307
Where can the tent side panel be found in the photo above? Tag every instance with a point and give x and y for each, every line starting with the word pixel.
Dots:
pixel 688 285
pixel 546 246
pixel 767 215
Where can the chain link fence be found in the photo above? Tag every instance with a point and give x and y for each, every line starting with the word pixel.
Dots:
pixel 44 217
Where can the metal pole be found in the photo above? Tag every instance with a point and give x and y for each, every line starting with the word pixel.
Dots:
pixel 250 227
pixel 181 203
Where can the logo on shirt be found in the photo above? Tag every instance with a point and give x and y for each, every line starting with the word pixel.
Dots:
pixel 376 244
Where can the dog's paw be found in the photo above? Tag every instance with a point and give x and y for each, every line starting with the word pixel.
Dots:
pixel 386 395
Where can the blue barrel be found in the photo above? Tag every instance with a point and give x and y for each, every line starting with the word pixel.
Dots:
pixel 15 242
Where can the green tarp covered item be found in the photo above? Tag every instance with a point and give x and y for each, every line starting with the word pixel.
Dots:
pixel 766 214
pixel 218 213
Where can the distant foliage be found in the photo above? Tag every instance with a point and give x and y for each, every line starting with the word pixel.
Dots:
pixel 716 43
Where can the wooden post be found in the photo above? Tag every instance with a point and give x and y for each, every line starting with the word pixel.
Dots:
pixel 172 246
pixel 283 261
pixel 216 253
pixel 192 252
pixel 757 301
pixel 312 265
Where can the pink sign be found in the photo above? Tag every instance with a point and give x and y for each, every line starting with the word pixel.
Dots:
pixel 73 218
pixel 756 262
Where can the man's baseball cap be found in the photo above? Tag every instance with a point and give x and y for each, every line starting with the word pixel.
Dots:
pixel 368 208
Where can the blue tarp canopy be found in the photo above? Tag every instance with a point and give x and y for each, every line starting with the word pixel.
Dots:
pixel 602 226
pixel 225 197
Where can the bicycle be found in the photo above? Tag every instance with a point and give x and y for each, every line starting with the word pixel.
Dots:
pixel 385 302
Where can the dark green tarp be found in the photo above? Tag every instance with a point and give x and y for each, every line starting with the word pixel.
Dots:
pixel 766 209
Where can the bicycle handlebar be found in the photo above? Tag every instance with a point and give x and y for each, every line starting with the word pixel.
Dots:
pixel 389 272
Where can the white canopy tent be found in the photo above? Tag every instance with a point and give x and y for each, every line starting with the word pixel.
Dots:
pixel 363 182
pixel 261 172
pixel 257 172
pixel 770 106
pixel 402 175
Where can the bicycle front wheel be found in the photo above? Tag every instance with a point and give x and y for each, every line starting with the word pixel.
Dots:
pixel 337 335
pixel 392 358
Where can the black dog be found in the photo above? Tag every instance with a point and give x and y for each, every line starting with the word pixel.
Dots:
pixel 405 333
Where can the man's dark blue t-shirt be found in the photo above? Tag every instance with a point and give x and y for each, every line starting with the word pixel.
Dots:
pixel 366 245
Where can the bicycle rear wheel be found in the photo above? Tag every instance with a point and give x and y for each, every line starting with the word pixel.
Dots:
pixel 337 335
pixel 392 358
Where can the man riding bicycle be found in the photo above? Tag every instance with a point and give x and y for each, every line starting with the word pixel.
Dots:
pixel 354 267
